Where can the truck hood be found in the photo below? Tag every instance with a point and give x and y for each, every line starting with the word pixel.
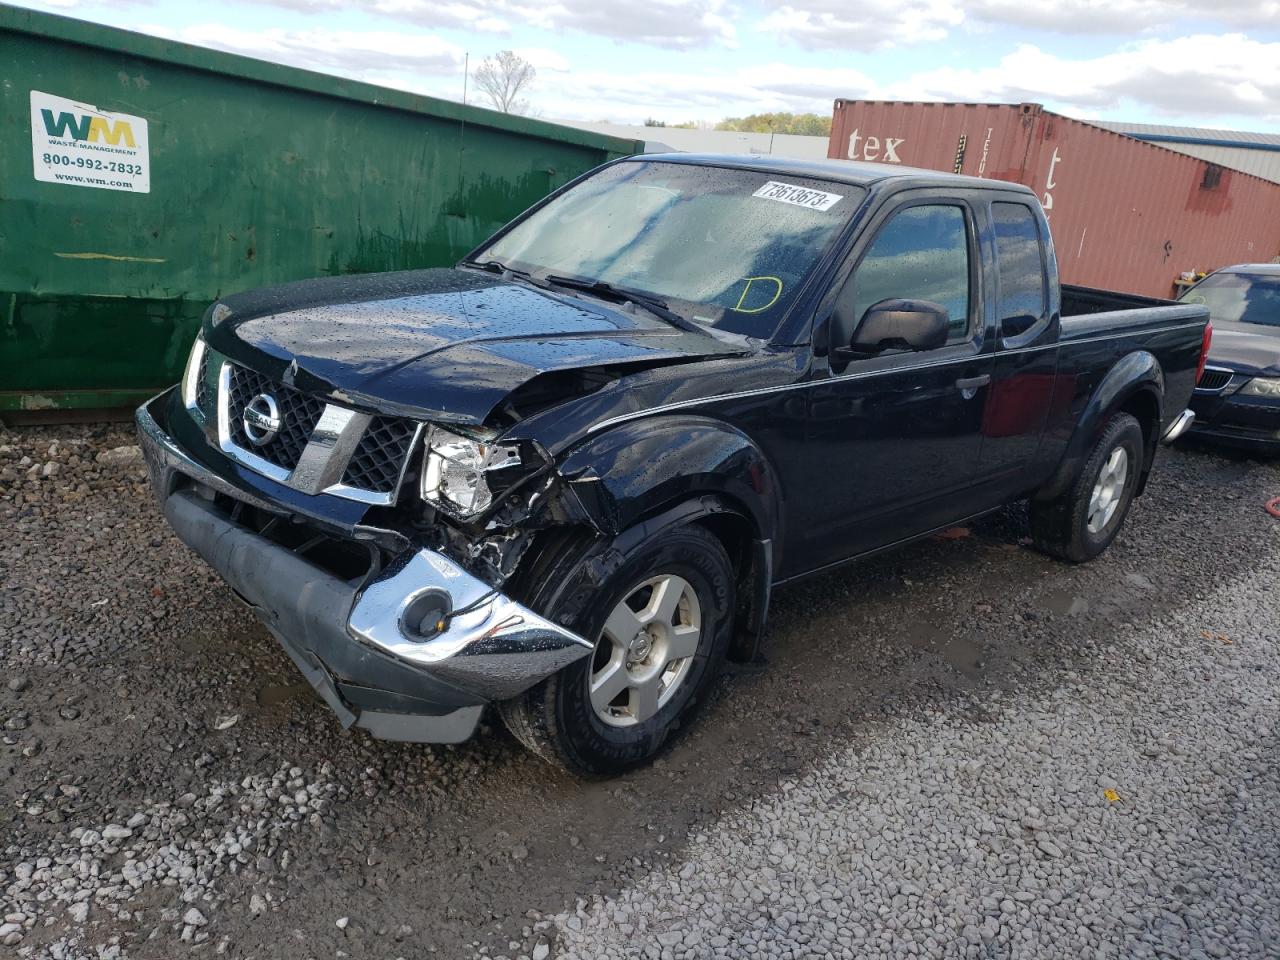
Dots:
pixel 1246 347
pixel 441 344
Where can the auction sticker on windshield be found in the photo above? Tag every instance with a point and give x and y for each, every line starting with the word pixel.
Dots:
pixel 800 196
pixel 78 145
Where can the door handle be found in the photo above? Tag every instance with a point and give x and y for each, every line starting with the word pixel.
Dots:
pixel 969 385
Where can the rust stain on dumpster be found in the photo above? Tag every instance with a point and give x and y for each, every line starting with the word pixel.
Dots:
pixel 109 256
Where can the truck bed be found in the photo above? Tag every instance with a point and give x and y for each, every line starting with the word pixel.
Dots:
pixel 1087 312
pixel 1078 300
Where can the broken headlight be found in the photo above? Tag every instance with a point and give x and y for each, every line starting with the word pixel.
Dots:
pixel 457 470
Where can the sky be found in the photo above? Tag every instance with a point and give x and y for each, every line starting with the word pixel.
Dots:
pixel 1152 61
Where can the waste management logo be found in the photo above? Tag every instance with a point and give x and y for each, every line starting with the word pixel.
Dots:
pixel 76 144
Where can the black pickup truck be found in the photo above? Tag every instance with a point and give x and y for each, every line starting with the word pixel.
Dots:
pixel 563 477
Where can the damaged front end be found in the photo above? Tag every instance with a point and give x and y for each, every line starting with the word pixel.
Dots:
pixel 399 621
pixel 484 500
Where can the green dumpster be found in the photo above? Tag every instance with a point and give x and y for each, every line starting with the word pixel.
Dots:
pixel 140 179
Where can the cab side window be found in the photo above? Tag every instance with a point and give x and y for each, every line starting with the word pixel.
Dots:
pixel 921 253
pixel 1020 262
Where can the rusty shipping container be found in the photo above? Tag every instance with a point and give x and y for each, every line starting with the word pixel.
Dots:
pixel 1125 215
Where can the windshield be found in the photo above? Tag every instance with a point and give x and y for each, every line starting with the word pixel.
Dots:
pixel 722 247
pixel 1239 297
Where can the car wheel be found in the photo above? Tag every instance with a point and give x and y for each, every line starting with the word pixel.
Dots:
pixel 1081 523
pixel 661 624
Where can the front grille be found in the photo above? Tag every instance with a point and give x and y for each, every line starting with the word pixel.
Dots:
pixel 204 390
pixel 1214 379
pixel 372 474
pixel 380 457
pixel 299 414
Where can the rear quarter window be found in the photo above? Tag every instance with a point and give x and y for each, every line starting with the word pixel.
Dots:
pixel 1020 264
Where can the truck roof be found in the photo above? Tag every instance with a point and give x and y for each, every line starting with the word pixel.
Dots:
pixel 859 173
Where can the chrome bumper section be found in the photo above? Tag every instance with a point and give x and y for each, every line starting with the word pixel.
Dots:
pixel 491 644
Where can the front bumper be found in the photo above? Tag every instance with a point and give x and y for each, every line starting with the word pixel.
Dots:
pixel 1251 423
pixel 353 638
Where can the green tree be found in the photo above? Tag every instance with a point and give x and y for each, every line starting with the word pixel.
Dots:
pixel 800 124
pixel 686 125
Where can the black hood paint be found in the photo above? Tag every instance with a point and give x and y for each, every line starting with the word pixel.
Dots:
pixel 1246 347
pixel 444 344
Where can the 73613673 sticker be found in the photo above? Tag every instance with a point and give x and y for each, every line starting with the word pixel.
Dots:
pixel 800 196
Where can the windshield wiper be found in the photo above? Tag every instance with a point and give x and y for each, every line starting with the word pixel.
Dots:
pixel 492 266
pixel 601 288
pixel 608 291
pixel 497 266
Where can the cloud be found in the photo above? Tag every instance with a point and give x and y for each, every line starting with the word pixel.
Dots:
pixel 872 24
pixel 544 60
pixel 67 7
pixel 876 24
pixel 355 53
pixel 1197 78
pixel 1077 16
pixel 459 14
pixel 692 95
pixel 670 24
pixel 1201 76
pixel 674 24
pixel 1123 16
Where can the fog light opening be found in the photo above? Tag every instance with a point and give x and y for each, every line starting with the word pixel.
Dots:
pixel 425 616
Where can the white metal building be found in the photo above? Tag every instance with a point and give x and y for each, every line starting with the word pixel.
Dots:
pixel 675 139
pixel 1256 153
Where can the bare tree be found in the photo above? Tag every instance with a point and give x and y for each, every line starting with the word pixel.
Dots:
pixel 502 77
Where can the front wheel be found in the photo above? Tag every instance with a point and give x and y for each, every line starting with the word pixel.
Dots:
pixel 1081 523
pixel 661 625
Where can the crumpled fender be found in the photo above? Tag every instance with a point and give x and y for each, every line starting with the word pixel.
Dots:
pixel 626 473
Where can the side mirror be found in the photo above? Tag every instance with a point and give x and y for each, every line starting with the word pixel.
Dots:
pixel 899 324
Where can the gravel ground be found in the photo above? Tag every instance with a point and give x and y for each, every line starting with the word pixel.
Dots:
pixel 1134 815
pixel 922 769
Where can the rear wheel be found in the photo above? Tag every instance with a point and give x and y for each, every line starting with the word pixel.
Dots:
pixel 661 625
pixel 1081 523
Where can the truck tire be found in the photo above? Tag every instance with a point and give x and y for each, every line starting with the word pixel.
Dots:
pixel 1081 523
pixel 615 709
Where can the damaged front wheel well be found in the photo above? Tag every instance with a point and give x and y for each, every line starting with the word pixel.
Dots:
pixel 565 565
pixel 749 554
pixel 740 540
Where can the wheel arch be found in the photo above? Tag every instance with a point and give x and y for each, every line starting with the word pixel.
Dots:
pixel 638 468
pixel 750 554
pixel 1134 385
pixel 645 476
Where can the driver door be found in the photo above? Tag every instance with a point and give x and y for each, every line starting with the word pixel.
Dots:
pixel 895 438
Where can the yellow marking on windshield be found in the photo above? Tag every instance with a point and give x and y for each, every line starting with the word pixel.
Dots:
pixel 742 299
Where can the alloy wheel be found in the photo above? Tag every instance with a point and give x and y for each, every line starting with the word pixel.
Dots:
pixel 645 650
pixel 1108 491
